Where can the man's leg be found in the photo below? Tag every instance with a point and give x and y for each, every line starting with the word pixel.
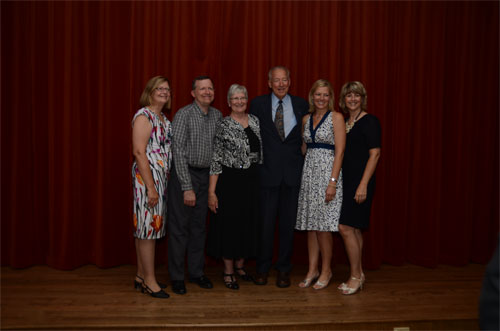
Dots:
pixel 269 207
pixel 177 221
pixel 288 203
pixel 198 224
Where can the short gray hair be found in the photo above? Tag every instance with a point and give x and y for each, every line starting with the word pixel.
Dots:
pixel 236 88
pixel 270 73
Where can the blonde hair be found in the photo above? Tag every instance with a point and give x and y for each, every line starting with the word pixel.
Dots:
pixel 352 87
pixel 151 85
pixel 316 85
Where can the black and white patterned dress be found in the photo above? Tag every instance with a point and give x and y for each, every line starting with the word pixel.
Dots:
pixel 233 230
pixel 313 212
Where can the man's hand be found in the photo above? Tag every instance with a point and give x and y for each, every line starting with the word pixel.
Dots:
pixel 189 198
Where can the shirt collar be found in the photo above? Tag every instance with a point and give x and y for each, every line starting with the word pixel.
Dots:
pixel 275 100
pixel 201 112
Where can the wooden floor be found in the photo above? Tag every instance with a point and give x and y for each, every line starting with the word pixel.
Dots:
pixel 93 298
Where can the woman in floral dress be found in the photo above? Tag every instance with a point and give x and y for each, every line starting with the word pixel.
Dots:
pixel 151 140
pixel 320 197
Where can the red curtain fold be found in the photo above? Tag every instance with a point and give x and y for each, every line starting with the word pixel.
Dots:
pixel 72 74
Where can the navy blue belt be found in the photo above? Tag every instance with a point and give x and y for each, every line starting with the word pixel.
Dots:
pixel 320 145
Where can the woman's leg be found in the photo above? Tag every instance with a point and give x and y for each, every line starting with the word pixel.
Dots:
pixel 352 246
pixel 239 263
pixel 325 240
pixel 359 237
pixel 147 257
pixel 140 268
pixel 313 252
pixel 228 270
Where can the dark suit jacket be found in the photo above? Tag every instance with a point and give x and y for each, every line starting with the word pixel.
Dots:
pixel 283 160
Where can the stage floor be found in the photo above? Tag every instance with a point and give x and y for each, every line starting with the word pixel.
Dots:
pixel 92 298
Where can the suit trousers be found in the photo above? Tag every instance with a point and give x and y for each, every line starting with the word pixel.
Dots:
pixel 281 202
pixel 187 225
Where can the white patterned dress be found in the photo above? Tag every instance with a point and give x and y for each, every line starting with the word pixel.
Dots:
pixel 149 223
pixel 313 212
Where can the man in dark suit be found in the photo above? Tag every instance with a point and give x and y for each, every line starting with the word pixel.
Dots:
pixel 280 115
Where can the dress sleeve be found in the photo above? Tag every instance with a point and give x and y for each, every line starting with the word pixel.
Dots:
pixel 218 150
pixel 169 145
pixel 256 125
pixel 373 133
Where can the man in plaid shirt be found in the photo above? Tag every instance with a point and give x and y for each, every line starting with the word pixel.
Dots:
pixel 193 131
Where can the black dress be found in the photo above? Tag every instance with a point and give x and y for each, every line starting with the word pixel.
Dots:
pixel 233 229
pixel 364 136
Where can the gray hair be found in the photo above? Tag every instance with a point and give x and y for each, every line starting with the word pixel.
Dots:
pixel 236 88
pixel 270 73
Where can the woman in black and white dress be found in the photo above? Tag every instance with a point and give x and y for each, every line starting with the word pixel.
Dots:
pixel 233 192
pixel 320 197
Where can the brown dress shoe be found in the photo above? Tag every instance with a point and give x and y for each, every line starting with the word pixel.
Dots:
pixel 283 279
pixel 260 279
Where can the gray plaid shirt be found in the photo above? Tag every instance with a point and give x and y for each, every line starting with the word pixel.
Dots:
pixel 193 134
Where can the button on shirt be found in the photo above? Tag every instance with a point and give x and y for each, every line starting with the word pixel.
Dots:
pixel 193 134
pixel 289 120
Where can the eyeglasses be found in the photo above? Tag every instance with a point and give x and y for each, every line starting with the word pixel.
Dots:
pixel 163 89
pixel 239 99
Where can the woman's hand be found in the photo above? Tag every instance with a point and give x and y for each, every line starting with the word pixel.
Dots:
pixel 360 195
pixel 213 202
pixel 330 192
pixel 153 198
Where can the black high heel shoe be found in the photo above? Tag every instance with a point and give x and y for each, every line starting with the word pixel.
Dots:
pixel 231 284
pixel 138 285
pixel 245 276
pixel 160 294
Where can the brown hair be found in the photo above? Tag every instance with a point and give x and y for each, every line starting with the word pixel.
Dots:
pixel 352 87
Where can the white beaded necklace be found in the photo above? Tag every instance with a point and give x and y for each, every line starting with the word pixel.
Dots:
pixel 349 126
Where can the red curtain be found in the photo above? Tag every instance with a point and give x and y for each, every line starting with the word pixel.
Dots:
pixel 72 74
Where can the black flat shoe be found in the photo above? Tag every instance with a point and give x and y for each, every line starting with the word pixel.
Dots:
pixel 159 295
pixel 178 287
pixel 231 284
pixel 138 285
pixel 202 282
pixel 243 274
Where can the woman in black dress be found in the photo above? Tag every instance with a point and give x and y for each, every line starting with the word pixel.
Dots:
pixel 233 192
pixel 361 156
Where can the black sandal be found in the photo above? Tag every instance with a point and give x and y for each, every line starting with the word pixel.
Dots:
pixel 138 285
pixel 245 276
pixel 160 294
pixel 231 284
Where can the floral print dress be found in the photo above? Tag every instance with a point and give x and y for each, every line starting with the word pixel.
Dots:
pixel 149 223
pixel 314 214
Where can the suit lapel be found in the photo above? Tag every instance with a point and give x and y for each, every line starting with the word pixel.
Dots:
pixel 298 117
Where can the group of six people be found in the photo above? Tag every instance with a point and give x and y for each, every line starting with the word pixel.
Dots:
pixel 249 169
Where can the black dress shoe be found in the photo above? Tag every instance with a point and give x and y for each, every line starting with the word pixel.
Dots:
pixel 283 279
pixel 178 287
pixel 260 279
pixel 202 282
